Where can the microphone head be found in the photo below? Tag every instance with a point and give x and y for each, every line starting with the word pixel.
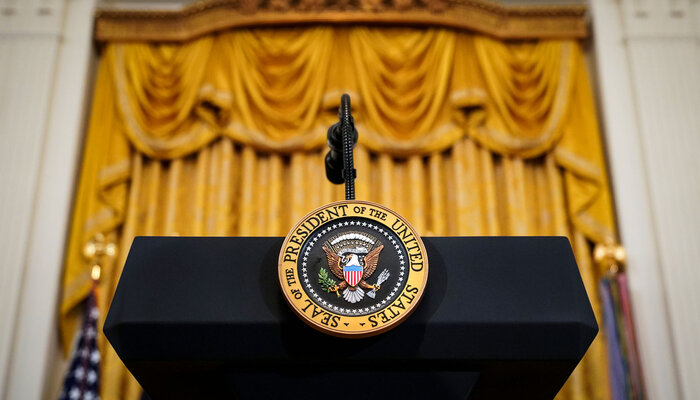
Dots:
pixel 334 167
pixel 334 138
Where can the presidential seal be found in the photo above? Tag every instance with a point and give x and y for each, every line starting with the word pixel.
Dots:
pixel 353 269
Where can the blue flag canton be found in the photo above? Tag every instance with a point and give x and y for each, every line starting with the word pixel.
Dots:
pixel 82 380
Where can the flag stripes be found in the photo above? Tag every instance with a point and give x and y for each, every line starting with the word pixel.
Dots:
pixel 352 274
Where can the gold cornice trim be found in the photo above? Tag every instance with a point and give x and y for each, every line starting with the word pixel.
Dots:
pixel 204 17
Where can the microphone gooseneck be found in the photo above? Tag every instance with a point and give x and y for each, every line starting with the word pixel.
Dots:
pixel 348 126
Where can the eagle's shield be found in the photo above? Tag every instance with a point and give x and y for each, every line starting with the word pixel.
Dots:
pixel 352 274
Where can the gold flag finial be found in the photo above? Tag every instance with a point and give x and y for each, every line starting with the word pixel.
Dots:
pixel 94 250
pixel 610 255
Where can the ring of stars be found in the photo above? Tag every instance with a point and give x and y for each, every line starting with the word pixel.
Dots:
pixel 360 311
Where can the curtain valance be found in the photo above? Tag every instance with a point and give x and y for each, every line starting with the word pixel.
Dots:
pixel 414 91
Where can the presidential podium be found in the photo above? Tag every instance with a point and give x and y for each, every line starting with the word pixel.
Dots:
pixel 204 318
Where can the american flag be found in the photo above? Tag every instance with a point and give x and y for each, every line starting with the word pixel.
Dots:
pixel 83 377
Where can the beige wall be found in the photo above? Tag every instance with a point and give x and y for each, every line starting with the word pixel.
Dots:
pixel 648 59
pixel 45 48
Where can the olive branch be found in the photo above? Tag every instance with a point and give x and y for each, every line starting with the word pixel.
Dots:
pixel 325 280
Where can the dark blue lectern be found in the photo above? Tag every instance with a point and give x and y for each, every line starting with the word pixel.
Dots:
pixel 204 318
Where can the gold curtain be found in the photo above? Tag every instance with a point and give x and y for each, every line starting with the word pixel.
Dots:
pixel 224 135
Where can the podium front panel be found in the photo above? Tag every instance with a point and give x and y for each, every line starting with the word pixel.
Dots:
pixel 204 317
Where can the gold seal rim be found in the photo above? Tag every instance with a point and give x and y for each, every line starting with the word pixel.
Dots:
pixel 339 332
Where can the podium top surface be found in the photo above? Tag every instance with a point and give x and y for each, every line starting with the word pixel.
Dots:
pixel 490 303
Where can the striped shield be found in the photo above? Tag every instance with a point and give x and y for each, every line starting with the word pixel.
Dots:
pixel 352 274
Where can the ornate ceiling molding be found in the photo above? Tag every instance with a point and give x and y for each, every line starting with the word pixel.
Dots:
pixel 203 17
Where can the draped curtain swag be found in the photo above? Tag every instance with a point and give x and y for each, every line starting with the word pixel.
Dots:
pixel 225 135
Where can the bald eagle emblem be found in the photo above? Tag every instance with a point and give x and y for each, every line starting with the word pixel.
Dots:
pixel 353 258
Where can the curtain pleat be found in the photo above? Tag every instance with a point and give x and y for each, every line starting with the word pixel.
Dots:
pixel 248 187
pixel 416 185
pixel 233 189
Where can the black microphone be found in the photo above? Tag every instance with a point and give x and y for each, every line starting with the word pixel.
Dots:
pixel 335 163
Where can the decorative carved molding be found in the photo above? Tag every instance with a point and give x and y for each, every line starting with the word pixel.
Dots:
pixel 203 17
